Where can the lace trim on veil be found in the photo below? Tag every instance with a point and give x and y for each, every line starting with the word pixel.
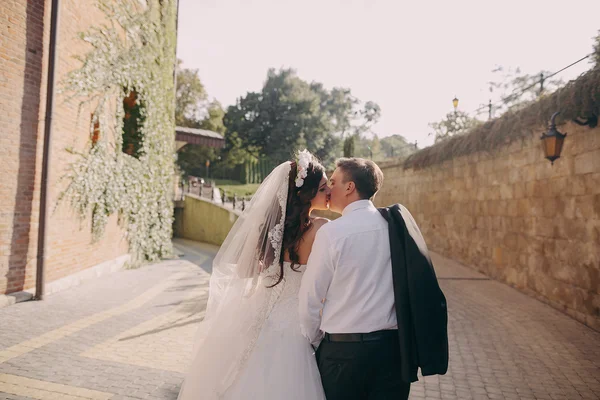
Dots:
pixel 266 276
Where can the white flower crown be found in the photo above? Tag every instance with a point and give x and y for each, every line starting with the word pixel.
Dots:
pixel 304 159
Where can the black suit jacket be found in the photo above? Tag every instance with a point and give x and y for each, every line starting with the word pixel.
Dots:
pixel 420 304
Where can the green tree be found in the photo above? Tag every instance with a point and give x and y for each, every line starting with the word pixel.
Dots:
pixel 340 105
pixel 455 123
pixel 376 147
pixel 290 113
pixel 190 97
pixel 396 146
pixel 213 121
pixel 242 125
pixel 361 119
pixel 369 116
pixel 190 105
pixel 346 113
pixel 192 159
pixel 349 146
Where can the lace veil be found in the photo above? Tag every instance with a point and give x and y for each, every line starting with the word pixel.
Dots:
pixel 240 299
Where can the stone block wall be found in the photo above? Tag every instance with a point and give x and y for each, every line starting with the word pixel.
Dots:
pixel 202 220
pixel 515 217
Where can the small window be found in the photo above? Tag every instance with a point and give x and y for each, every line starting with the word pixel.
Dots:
pixel 95 134
pixel 132 121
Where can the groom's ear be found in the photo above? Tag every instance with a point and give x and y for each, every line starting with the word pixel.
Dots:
pixel 350 187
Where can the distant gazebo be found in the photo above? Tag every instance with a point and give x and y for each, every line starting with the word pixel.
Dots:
pixel 200 137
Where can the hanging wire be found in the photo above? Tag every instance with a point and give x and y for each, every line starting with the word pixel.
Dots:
pixel 569 66
pixel 543 79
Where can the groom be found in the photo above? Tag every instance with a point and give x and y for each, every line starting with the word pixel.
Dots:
pixel 368 270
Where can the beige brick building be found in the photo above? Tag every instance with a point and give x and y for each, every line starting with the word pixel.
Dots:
pixel 24 43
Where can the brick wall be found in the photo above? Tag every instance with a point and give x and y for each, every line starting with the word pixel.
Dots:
pixel 515 217
pixel 24 36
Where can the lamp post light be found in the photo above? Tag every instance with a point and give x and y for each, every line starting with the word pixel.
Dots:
pixel 455 103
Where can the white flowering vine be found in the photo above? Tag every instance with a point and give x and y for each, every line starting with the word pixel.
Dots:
pixel 134 51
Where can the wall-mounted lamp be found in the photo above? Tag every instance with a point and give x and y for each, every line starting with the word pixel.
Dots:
pixel 552 141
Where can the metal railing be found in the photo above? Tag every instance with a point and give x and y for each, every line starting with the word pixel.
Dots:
pixel 208 190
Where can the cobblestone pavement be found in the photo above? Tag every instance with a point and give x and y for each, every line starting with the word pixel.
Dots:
pixel 128 336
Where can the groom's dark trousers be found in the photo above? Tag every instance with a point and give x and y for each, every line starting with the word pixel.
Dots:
pixel 362 366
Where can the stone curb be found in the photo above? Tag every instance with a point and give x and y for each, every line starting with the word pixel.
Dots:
pixel 13 298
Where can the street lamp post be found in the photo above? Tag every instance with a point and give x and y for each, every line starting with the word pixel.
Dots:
pixel 455 103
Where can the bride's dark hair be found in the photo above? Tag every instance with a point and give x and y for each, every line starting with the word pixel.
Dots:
pixel 297 220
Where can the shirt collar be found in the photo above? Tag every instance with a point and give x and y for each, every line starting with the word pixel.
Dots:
pixel 357 205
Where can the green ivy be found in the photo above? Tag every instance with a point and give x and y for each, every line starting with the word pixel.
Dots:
pixel 133 52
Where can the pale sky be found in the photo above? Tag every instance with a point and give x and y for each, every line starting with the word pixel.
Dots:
pixel 410 57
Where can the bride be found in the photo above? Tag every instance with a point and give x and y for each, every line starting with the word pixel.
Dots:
pixel 249 345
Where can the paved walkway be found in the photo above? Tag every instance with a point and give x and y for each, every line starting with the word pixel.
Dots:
pixel 128 336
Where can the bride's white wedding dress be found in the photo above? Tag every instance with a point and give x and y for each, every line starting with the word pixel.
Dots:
pixel 249 345
pixel 282 364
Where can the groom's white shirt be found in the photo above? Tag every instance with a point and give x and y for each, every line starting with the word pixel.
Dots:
pixel 347 286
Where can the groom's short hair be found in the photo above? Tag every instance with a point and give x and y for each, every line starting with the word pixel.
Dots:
pixel 365 174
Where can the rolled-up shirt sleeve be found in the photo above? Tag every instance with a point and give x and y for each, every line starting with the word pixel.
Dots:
pixel 314 287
